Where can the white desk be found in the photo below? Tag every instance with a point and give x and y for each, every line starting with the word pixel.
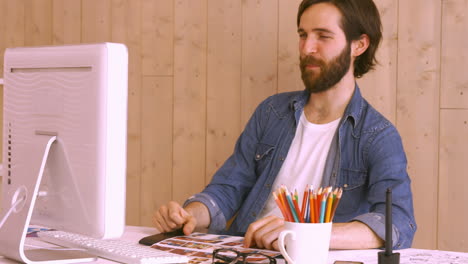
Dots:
pixel 132 233
pixel 407 256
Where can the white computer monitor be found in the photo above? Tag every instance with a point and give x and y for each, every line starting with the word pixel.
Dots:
pixel 64 142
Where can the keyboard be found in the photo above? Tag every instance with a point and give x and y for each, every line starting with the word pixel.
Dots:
pixel 113 249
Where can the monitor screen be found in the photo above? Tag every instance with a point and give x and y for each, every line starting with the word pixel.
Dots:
pixel 64 141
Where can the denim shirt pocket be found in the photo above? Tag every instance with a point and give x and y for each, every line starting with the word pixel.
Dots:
pixel 263 155
pixel 353 183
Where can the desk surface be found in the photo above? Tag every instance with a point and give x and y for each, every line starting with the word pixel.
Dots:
pixel 407 256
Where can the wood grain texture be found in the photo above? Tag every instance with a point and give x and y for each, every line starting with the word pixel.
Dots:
pixel 190 62
pixel 379 86
pixel 127 29
pixel 157 179
pixel 289 73
pixel 418 108
pixel 66 22
pixel 454 83
pixel 259 54
pixel 13 25
pixel 223 81
pixel 453 216
pixel 157 43
pixel 96 21
pixel 38 23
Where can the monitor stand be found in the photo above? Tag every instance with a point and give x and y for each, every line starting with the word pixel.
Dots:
pixel 25 188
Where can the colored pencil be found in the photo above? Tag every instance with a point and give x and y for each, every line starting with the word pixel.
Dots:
pixel 312 206
pixel 283 191
pixel 318 199
pixel 304 202
pixel 291 205
pixel 295 199
pixel 335 203
pixel 329 207
pixel 281 207
pixel 323 204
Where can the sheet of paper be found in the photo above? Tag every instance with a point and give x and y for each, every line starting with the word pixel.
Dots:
pixel 407 256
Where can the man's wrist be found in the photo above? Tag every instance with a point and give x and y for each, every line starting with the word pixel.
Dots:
pixel 200 212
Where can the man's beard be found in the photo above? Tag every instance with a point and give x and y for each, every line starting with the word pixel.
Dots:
pixel 330 73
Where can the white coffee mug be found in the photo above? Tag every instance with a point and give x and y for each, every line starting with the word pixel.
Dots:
pixel 305 243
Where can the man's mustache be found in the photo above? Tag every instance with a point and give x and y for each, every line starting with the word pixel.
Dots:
pixel 307 60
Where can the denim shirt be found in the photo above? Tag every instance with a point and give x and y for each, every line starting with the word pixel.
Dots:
pixel 366 157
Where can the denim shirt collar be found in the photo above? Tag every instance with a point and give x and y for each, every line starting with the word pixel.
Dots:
pixel 352 112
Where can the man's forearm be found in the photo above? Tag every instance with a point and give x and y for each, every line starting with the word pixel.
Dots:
pixel 354 235
pixel 201 214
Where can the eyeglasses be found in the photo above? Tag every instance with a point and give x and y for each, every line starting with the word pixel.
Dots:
pixel 232 256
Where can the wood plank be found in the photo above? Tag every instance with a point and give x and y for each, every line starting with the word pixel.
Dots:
pixel 66 17
pixel 157 41
pixel 379 87
pixel 95 21
pixel 223 81
pixel 453 215
pixel 289 73
pixel 454 84
pixel 38 22
pixel 190 55
pixel 259 54
pixel 157 136
pixel 11 35
pixel 126 29
pixel 13 17
pixel 418 108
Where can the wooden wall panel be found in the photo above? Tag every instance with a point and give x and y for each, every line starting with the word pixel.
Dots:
pixel 157 184
pixel 126 28
pixel 379 86
pixel 289 73
pixel 95 21
pixel 223 81
pixel 12 29
pixel 452 232
pixel 418 108
pixel 38 24
pixel 13 24
pixel 454 84
pixel 190 50
pixel 157 44
pixel 453 216
pixel 259 53
pixel 66 22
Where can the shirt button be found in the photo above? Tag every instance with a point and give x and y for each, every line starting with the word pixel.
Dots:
pixel 345 185
pixel 258 156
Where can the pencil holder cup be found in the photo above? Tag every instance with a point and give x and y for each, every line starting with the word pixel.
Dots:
pixel 305 243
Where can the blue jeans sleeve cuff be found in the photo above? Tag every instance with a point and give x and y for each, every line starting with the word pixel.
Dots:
pixel 376 222
pixel 217 219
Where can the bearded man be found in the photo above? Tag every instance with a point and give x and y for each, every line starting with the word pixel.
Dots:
pixel 326 135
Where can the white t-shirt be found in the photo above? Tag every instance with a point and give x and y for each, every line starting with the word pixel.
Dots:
pixel 305 161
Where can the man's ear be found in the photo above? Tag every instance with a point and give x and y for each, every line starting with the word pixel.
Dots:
pixel 360 45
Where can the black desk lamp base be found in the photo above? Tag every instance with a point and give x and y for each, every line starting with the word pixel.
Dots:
pixel 393 258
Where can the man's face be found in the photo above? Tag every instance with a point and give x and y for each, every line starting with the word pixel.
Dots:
pixel 331 72
pixel 324 52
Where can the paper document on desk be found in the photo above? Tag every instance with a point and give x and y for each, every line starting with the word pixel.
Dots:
pixel 407 256
pixel 199 246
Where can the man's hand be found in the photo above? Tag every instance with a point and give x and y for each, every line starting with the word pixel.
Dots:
pixel 264 233
pixel 172 216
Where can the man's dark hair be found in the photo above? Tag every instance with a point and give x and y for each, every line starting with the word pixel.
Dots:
pixel 358 17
